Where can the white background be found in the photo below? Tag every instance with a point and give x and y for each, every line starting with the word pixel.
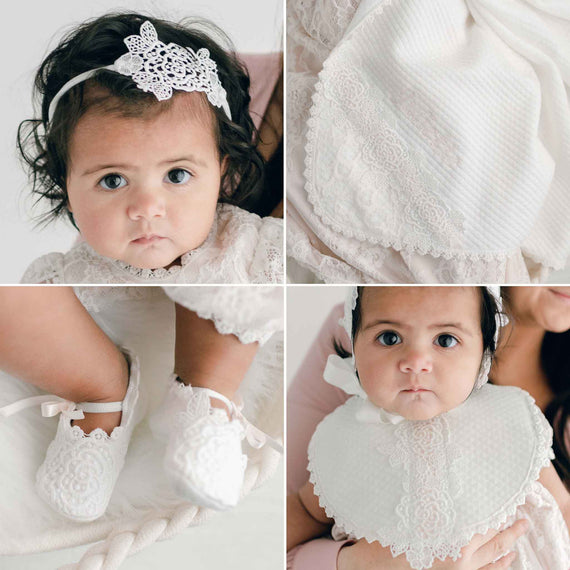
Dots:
pixel 250 536
pixel 33 29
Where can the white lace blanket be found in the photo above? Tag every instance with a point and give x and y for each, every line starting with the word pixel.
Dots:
pixel 443 159
pixel 240 248
pixel 142 319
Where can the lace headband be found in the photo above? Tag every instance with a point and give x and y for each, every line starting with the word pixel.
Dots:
pixel 501 321
pixel 159 69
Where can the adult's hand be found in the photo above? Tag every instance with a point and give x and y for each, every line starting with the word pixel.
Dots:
pixel 477 555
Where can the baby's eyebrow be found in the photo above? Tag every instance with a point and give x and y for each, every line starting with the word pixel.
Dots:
pixel 458 326
pixel 188 158
pixel 377 322
pixel 104 167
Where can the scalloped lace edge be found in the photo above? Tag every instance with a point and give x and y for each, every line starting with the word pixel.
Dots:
pixel 543 455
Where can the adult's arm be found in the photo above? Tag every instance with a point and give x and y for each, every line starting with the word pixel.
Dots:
pixel 309 400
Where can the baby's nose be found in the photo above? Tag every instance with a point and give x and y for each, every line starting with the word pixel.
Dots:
pixel 416 361
pixel 146 203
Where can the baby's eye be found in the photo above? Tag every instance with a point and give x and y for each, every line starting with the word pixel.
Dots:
pixel 389 338
pixel 112 182
pixel 178 176
pixel 446 341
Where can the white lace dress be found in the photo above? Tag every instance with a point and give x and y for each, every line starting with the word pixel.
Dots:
pixel 240 248
pixel 424 488
pixel 142 319
pixel 428 141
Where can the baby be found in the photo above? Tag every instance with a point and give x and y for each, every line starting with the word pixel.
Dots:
pixel 146 144
pixel 426 455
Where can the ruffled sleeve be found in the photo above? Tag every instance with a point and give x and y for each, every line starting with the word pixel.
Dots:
pixel 252 314
pixel 241 248
pixel 48 268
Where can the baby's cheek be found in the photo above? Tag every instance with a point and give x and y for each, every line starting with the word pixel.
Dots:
pixel 193 221
pixel 99 229
pixel 372 385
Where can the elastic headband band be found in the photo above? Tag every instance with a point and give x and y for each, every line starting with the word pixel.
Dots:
pixel 159 69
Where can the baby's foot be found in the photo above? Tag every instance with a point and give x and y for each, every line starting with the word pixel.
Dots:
pixel 79 472
pixel 204 461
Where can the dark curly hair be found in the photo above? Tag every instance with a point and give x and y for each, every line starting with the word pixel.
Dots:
pixel 99 42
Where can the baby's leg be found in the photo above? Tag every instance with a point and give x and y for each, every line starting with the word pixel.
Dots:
pixel 49 339
pixel 207 359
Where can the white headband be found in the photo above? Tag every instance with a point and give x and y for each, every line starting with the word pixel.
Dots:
pixel 482 377
pixel 159 68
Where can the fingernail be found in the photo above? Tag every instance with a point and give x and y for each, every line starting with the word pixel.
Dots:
pixel 525 525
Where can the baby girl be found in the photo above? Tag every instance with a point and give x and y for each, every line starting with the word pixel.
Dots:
pixel 426 454
pixel 146 144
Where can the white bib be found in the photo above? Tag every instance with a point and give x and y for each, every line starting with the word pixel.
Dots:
pixel 424 488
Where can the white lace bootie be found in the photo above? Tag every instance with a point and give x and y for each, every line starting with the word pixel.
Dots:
pixel 204 461
pixel 80 470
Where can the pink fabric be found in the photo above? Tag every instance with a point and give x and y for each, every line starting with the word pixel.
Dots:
pixel 309 400
pixel 318 554
pixel 264 70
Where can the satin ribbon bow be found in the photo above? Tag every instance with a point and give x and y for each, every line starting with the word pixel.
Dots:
pixel 50 406
pixel 340 372
pixel 371 414
pixel 255 437
pixel 64 407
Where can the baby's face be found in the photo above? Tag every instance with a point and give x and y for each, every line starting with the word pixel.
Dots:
pixel 419 349
pixel 144 190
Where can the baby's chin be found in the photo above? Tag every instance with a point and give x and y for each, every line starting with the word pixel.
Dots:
pixel 152 257
pixel 421 415
pixel 419 407
pixel 163 262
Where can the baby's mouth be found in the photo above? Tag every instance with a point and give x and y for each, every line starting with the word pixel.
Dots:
pixel 148 239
